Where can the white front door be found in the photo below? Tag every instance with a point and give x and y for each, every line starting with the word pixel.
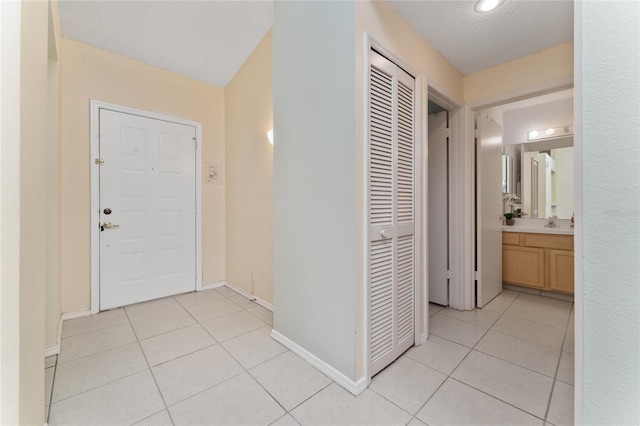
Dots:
pixel 489 210
pixel 147 208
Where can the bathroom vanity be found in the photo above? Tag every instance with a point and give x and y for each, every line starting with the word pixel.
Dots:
pixel 538 257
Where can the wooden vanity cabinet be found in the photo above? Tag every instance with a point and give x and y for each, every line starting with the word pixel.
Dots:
pixel 541 261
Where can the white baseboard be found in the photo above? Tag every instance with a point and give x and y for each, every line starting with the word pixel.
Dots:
pixel 55 349
pixel 249 296
pixel 352 386
pixel 213 285
pixel 51 350
pixel 72 315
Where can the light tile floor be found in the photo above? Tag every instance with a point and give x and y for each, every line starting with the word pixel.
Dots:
pixel 207 359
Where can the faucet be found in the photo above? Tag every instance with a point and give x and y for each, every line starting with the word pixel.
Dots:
pixel 552 222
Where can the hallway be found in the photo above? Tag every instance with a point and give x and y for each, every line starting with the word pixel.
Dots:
pixel 207 358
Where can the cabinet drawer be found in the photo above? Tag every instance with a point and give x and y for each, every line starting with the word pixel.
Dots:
pixel 558 242
pixel 511 238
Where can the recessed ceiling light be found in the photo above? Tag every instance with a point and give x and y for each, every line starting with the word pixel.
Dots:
pixel 550 131
pixel 533 134
pixel 487 5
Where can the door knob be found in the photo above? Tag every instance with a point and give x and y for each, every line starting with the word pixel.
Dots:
pixel 109 225
pixel 383 233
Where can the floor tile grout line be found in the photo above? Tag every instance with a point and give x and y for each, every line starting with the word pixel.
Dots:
pixel 53 383
pixel 97 353
pixel 450 376
pixel 247 370
pixel 204 390
pixel 531 321
pixel 90 331
pixel 267 391
pixel 470 322
pixel 555 378
pixel 138 342
pixel 331 382
pixel 496 398
pixel 151 373
pixel 153 315
pixel 474 348
pixel 120 378
pixel 163 333
pixel 99 386
pixel 513 363
pixel 156 413
pixel 222 297
pixel 394 403
pixel 95 329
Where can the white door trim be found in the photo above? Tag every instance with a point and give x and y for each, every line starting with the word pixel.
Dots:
pixel 95 190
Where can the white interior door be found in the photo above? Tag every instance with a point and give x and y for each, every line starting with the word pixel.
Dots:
pixel 438 211
pixel 391 206
pixel 489 210
pixel 147 209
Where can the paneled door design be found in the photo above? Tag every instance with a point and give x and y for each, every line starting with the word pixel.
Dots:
pixel 147 209
pixel 391 211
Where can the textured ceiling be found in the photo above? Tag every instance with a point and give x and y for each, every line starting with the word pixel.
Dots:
pixel 472 41
pixel 205 40
pixel 209 40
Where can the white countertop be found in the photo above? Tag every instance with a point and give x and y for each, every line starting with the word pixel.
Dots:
pixel 536 226
pixel 562 230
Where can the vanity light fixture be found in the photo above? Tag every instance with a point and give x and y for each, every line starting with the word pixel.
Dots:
pixel 487 5
pixel 550 133
pixel 270 136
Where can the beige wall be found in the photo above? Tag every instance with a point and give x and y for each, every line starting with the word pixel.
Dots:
pixel 23 194
pixel 90 73
pixel 249 174
pixel 538 68
pixel 385 25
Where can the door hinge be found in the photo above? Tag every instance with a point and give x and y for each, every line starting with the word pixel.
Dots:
pixel 447 132
pixel 449 274
pixel 196 141
pixel 476 275
pixel 99 161
pixel 476 133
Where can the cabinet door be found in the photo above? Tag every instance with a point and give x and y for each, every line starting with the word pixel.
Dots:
pixel 523 266
pixel 561 270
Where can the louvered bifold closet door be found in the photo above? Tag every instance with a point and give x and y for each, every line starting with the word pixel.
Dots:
pixel 391 211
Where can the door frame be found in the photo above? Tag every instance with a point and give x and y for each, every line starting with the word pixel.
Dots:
pixel 96 105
